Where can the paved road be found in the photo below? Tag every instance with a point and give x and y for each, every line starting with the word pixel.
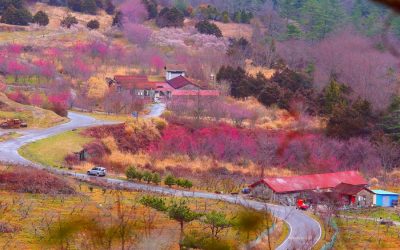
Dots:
pixel 156 110
pixel 304 231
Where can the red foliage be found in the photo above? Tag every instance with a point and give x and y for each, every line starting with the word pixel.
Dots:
pixel 59 103
pixel 30 180
pixel 306 152
pixel 18 96
pixel 127 142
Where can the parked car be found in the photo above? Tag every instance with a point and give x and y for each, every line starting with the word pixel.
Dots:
pixel 13 123
pixel 97 171
pixel 246 191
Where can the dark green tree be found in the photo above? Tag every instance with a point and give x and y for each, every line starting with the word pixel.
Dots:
pixel 169 181
pixel 335 94
pixel 16 16
pixel 117 20
pixel 182 214
pixel 93 24
pixel 293 31
pixel 205 27
pixel 41 18
pixel 217 222
pixel 109 7
pixel 89 6
pixel 170 17
pixel 69 21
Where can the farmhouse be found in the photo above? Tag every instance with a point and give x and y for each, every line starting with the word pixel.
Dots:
pixel 287 190
pixel 353 195
pixel 175 84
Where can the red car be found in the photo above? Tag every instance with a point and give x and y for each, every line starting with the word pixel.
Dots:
pixel 301 205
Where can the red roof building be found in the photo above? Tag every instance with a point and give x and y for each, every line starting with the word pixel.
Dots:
pixel 180 82
pixel 311 182
pixel 135 82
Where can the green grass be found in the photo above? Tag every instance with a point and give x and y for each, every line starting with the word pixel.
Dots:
pixel 31 80
pixel 364 234
pixel 376 212
pixel 53 150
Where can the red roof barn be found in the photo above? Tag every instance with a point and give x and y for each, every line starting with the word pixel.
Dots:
pixel 311 182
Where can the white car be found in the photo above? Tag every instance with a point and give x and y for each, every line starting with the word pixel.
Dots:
pixel 97 171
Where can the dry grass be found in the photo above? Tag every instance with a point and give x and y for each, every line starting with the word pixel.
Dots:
pixel 362 234
pixel 235 30
pixel 254 70
pixel 31 215
pixel 35 117
pixel 56 14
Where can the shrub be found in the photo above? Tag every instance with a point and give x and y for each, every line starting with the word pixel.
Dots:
pixel 169 181
pixel 131 173
pixel 69 21
pixel 29 180
pixel 156 179
pixel 41 18
pixel 205 27
pixel 154 202
pixel 184 183
pixel 93 25
pixel 147 176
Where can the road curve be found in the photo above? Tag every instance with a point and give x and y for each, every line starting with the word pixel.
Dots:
pixel 304 231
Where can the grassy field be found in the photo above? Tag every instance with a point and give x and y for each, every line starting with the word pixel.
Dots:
pixel 376 212
pixel 364 234
pixel 34 216
pixel 54 155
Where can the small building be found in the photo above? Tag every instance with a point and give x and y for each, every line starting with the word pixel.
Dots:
pixel 174 70
pixel 384 198
pixel 353 195
pixel 287 190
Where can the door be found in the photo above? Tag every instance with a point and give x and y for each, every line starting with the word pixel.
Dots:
pixel 386 201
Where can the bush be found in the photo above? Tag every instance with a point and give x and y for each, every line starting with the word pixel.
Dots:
pixel 147 177
pixel 131 173
pixel 29 180
pixel 156 179
pixel 184 183
pixel 205 27
pixel 169 181
pixel 93 25
pixel 154 202
pixel 41 18
pixel 69 21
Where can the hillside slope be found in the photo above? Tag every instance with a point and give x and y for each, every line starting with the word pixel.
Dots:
pixel 35 117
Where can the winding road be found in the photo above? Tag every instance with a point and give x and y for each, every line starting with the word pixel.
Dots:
pixel 304 231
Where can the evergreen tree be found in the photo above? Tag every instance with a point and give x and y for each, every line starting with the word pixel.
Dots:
pixel 93 25
pixel 117 20
pixel 293 32
pixel 89 6
pixel 41 18
pixel 69 21
pixel 16 16
pixel 205 27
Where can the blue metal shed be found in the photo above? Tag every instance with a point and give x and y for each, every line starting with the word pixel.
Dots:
pixel 384 198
